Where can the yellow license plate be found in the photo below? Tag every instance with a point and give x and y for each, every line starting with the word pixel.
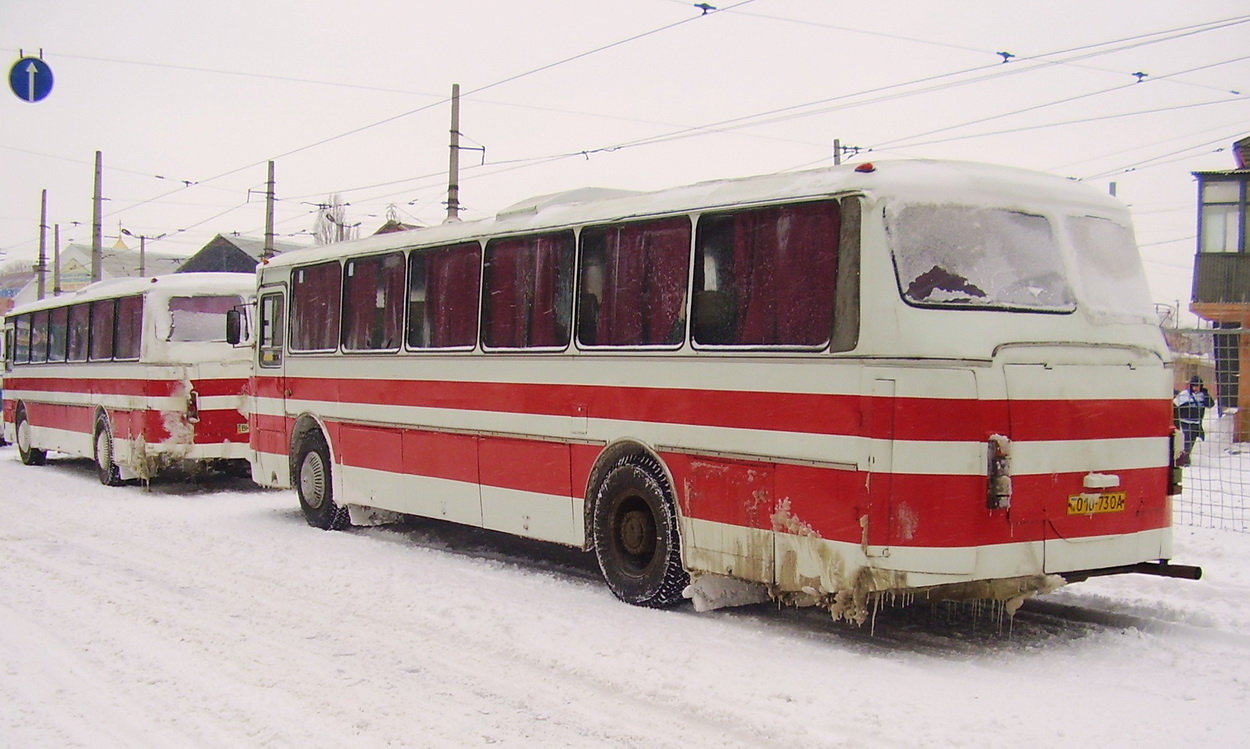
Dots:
pixel 1088 504
pixel 243 428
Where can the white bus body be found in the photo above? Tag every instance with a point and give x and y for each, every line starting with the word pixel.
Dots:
pixel 822 387
pixel 134 373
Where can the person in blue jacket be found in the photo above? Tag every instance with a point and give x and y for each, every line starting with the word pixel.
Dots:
pixel 1188 408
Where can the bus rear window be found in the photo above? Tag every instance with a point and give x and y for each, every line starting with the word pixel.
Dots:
pixel 958 256
pixel 1113 283
pixel 199 318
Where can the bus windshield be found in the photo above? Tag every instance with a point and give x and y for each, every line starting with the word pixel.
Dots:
pixel 977 257
pixel 199 318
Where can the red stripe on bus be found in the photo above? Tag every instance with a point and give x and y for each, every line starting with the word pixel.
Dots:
pixel 936 419
pixel 94 385
pixel 220 386
pixel 934 510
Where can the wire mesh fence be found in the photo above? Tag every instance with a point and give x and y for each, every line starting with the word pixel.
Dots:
pixel 1217 477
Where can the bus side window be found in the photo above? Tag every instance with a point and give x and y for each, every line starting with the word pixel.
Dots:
pixel 39 336
pixel 632 285
pixel 102 314
pixel 315 296
pixel 270 334
pixel 443 289
pixel 373 310
pixel 846 287
pixel 21 346
pixel 58 321
pixel 79 332
pixel 528 296
pixel 129 328
pixel 765 276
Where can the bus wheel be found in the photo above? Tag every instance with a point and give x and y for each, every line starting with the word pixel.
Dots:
pixel 313 484
pixel 31 456
pixel 635 535
pixel 105 468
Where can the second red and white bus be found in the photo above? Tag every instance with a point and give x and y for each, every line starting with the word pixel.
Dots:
pixel 823 387
pixel 133 373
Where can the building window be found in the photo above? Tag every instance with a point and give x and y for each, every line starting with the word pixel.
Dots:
pixel 1222 216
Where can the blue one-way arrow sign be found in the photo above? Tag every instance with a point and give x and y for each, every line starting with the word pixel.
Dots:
pixel 31 79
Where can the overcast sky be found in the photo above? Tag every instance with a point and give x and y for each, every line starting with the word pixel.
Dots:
pixel 188 101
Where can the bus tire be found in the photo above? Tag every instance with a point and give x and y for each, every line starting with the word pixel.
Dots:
pixel 636 537
pixel 105 467
pixel 314 484
pixel 31 456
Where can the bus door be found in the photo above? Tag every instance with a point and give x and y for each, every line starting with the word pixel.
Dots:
pixel 269 428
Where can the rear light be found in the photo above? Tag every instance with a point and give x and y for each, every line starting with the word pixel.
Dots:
pixel 998 470
pixel 193 407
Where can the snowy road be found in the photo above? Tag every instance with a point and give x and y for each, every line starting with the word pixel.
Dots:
pixel 213 616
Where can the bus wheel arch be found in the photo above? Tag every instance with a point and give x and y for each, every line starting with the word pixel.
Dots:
pixel 31 456
pixel 635 527
pixel 312 472
pixel 102 450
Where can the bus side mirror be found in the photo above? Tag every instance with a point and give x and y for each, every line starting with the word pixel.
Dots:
pixel 234 327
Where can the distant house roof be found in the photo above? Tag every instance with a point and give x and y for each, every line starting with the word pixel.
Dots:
pixel 232 254
pixel 393 225
pixel 74 272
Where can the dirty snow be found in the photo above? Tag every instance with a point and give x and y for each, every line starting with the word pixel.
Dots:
pixel 211 615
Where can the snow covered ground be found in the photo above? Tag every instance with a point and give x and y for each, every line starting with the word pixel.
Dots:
pixel 213 616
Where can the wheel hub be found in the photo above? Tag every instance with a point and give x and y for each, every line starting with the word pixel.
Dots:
pixel 637 534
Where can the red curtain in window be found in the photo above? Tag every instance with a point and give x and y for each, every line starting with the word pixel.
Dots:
pixel 784 263
pixel 315 307
pixel 372 311
pixel 359 295
pixel 129 327
pixel 644 284
pixel 506 285
pixel 527 291
pixel 452 281
pixel 101 346
pixel 544 321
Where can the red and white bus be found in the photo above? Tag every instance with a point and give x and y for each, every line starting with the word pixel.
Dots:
pixel 133 373
pixel 822 387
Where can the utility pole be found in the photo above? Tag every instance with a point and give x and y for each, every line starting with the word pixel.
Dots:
pixel 143 249
pixel 453 165
pixel 97 243
pixel 268 252
pixel 837 151
pixel 56 260
pixel 41 267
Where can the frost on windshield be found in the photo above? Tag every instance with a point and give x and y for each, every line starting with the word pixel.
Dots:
pixel 1113 283
pixel 977 257
pixel 199 318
